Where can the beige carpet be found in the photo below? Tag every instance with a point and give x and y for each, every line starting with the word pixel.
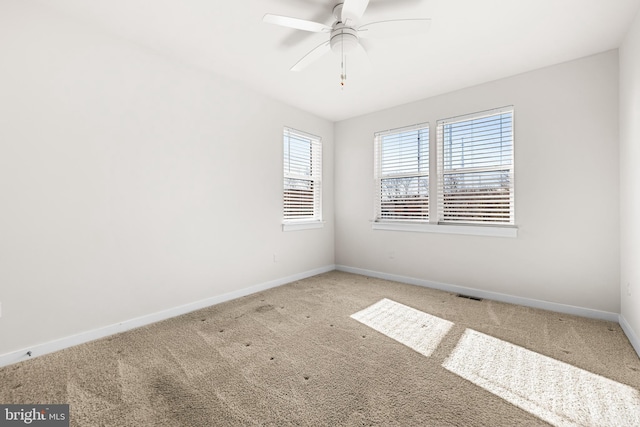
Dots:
pixel 294 355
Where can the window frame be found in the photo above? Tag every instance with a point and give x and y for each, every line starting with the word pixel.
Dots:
pixel 507 230
pixel 404 202
pixel 479 213
pixel 313 177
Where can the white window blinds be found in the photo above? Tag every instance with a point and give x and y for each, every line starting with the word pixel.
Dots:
pixel 475 160
pixel 302 176
pixel 401 162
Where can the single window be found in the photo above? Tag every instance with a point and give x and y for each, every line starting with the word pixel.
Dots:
pixel 302 176
pixel 402 174
pixel 475 162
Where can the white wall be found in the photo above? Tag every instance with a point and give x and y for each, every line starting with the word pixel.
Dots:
pixel 131 184
pixel 630 180
pixel 127 183
pixel 566 145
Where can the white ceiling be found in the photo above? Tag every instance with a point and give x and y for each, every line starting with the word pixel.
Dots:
pixel 470 42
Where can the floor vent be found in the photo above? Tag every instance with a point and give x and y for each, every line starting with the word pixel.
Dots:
pixel 469 297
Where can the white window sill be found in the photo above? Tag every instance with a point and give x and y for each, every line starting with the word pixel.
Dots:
pixel 301 225
pixel 472 230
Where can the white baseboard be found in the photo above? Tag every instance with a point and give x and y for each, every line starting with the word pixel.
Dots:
pixel 70 341
pixel 631 335
pixel 527 302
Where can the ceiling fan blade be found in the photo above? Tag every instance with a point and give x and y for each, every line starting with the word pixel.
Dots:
pixel 298 24
pixel 394 28
pixel 352 10
pixel 315 54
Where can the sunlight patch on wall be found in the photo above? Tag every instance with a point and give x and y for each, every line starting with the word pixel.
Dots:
pixel 419 331
pixel 554 391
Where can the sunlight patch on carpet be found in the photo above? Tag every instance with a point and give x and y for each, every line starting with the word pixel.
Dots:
pixel 554 391
pixel 419 331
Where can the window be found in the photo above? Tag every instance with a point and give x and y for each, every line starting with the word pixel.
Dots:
pixel 402 174
pixel 475 169
pixel 473 162
pixel 302 177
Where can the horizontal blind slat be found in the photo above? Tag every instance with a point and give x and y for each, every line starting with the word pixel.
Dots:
pixel 475 183
pixel 302 162
pixel 401 159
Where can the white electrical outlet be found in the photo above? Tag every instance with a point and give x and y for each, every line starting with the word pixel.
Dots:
pixel 628 289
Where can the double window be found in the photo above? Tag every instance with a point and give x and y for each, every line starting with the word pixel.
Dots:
pixel 302 193
pixel 473 164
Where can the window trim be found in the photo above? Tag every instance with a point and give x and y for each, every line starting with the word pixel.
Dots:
pixel 505 230
pixel 440 124
pixel 510 231
pixel 301 225
pixel 309 222
pixel 379 176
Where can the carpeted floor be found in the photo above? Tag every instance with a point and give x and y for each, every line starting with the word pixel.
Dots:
pixel 293 355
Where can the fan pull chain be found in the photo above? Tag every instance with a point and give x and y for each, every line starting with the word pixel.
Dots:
pixel 343 67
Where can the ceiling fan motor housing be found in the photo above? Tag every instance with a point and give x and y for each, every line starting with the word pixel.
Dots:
pixel 343 39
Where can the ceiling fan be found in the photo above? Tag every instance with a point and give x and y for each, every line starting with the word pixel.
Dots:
pixel 346 31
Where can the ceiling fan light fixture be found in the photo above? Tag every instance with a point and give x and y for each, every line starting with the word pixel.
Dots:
pixel 343 40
